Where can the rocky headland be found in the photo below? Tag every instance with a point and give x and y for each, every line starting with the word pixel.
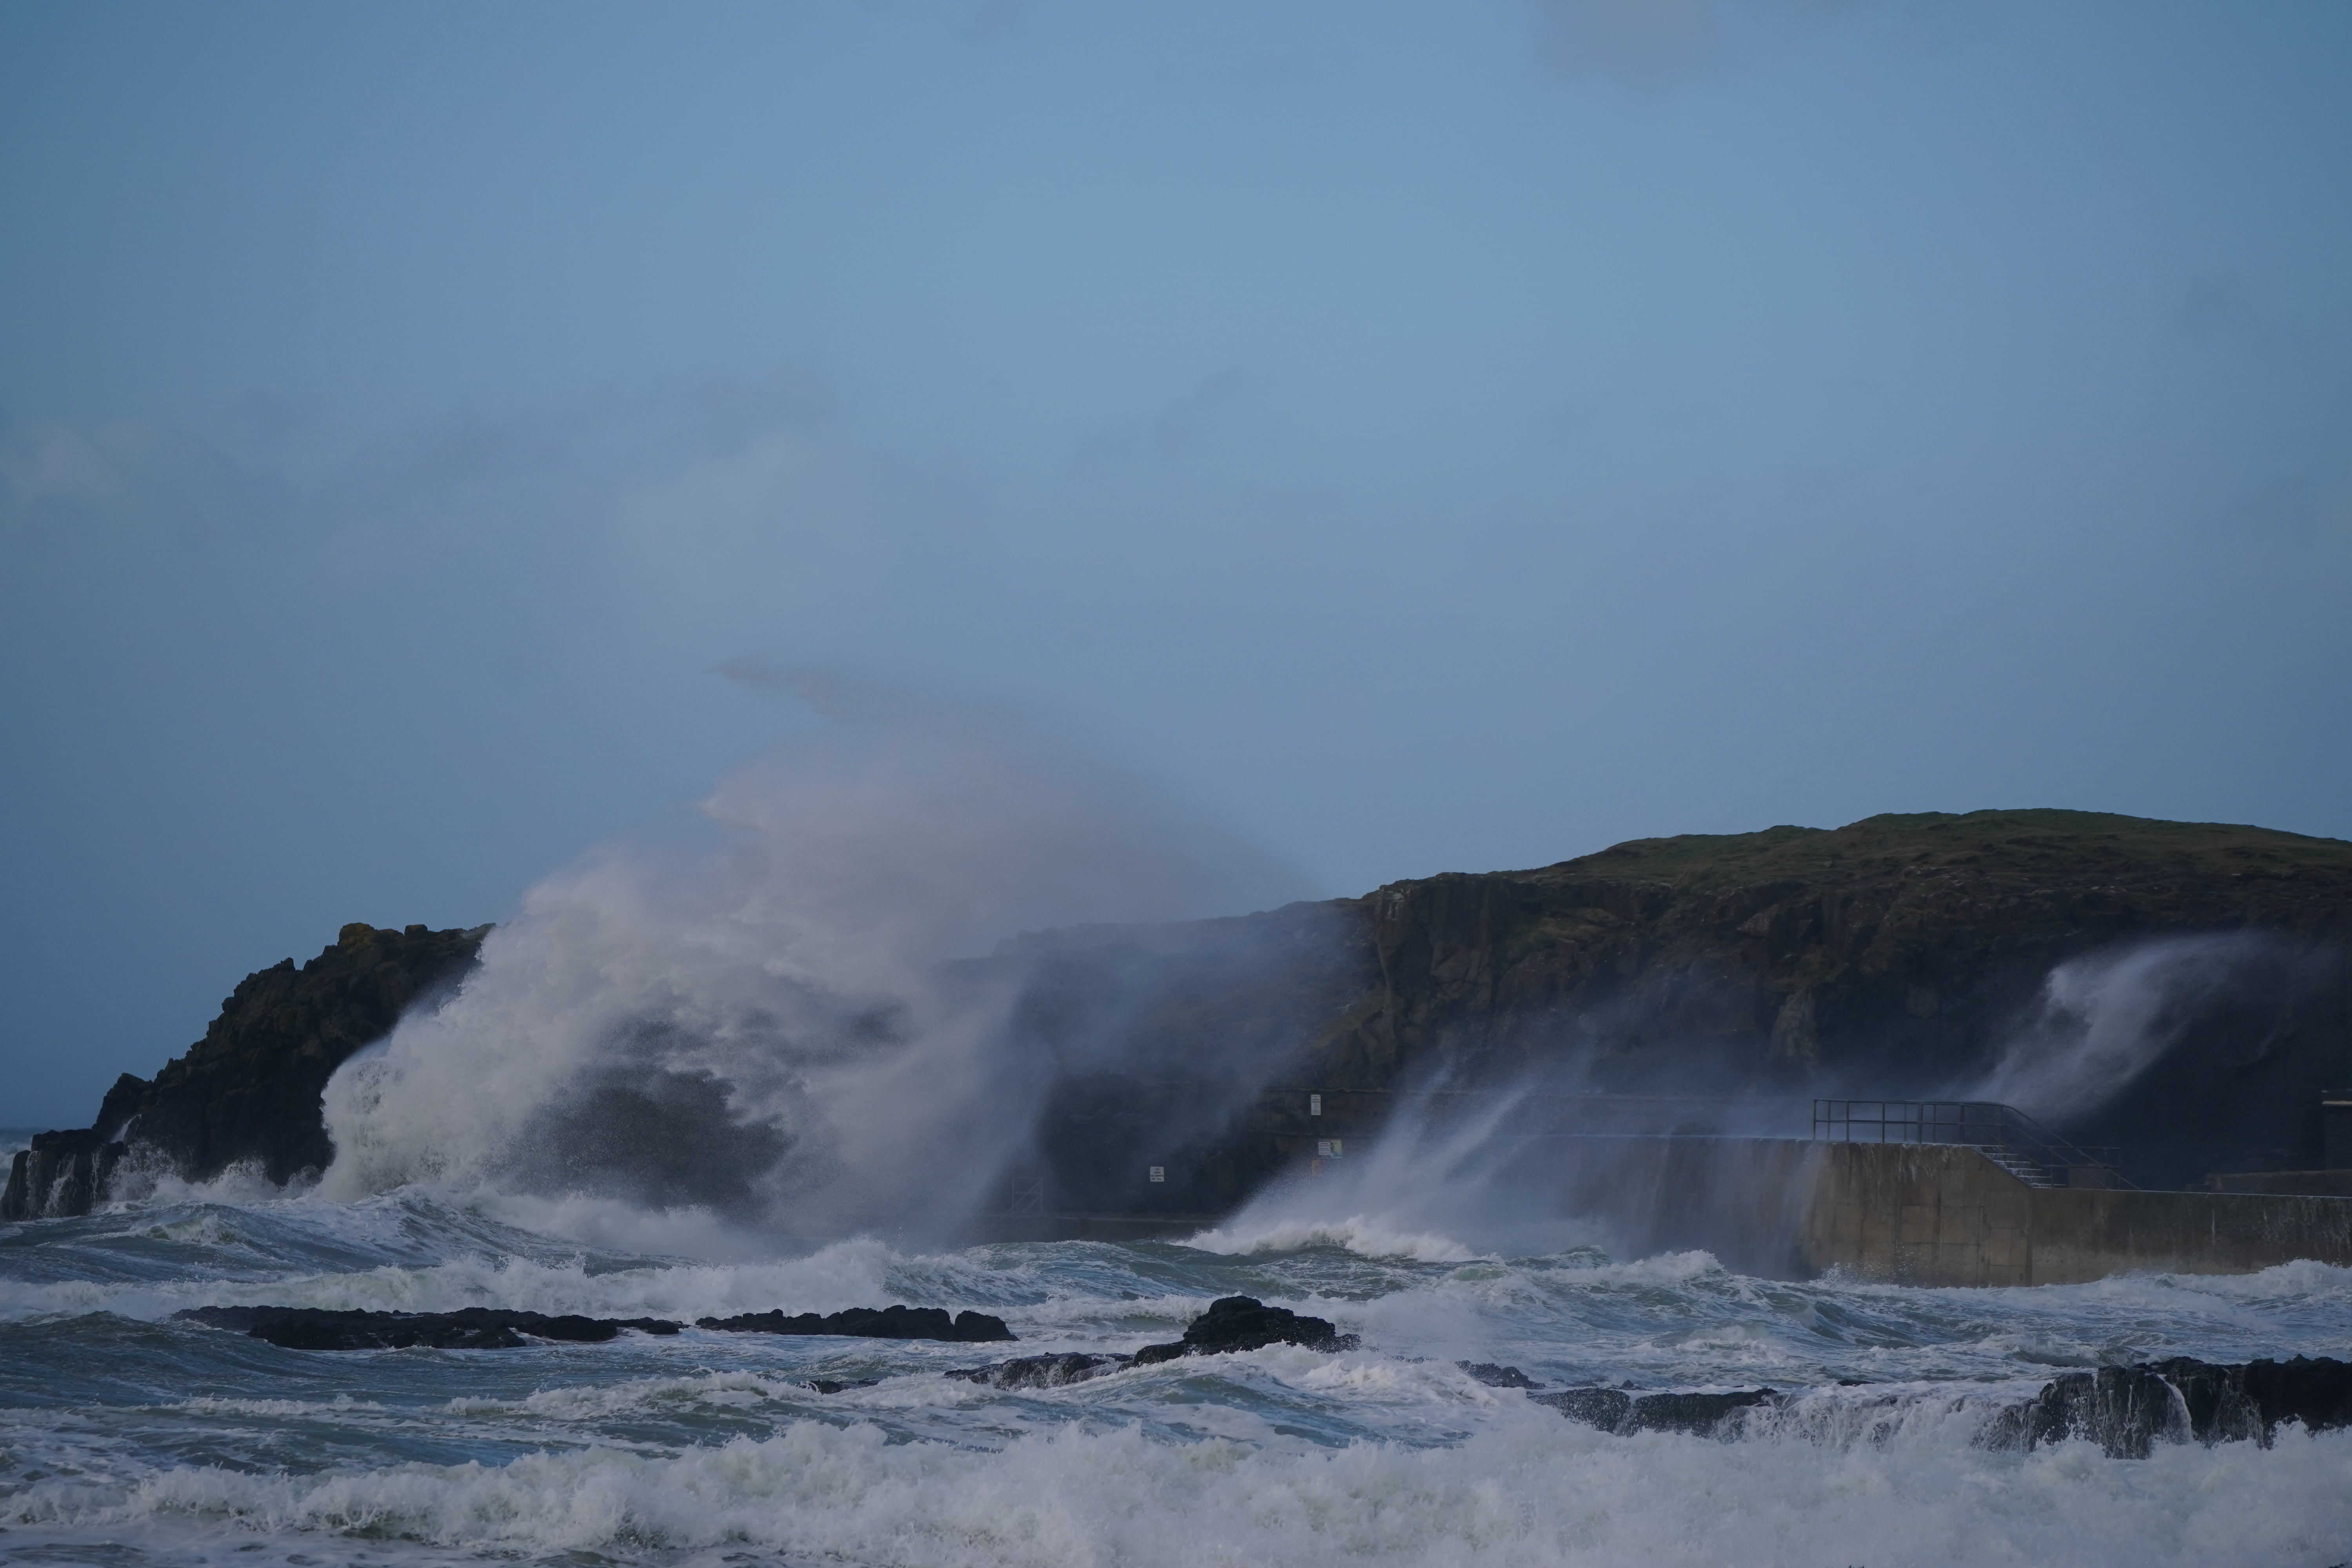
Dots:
pixel 1892 957
pixel 248 1092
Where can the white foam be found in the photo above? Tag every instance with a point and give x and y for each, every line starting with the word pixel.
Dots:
pixel 846 1274
pixel 1534 1489
pixel 1366 1235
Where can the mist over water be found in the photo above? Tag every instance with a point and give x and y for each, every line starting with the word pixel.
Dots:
pixel 783 1022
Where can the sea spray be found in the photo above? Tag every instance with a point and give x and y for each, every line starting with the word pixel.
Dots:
pixel 2104 1019
pixel 781 1029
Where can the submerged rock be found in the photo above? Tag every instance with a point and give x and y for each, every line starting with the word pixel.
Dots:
pixel 1246 1324
pixel 1494 1376
pixel 1701 1415
pixel 471 1329
pixel 867 1322
pixel 837 1385
pixel 1233 1323
pixel 1043 1371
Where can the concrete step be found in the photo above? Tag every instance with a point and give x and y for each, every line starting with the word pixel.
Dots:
pixel 2018 1166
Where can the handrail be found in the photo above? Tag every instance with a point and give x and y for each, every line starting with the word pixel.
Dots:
pixel 2000 1130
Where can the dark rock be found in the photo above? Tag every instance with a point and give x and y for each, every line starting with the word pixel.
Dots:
pixel 249 1091
pixel 1246 1324
pixel 1701 1415
pixel 1043 1371
pixel 836 1384
pixel 61 1174
pixel 471 1329
pixel 1606 1408
pixel 2126 1410
pixel 1495 1376
pixel 867 1322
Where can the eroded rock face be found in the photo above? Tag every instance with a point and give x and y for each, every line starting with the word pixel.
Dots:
pixel 63 1173
pixel 2126 1410
pixel 1246 1324
pixel 866 1323
pixel 249 1091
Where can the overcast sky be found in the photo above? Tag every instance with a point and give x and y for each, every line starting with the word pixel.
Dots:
pixel 435 439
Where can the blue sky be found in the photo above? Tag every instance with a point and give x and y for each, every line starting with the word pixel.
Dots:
pixel 1394 439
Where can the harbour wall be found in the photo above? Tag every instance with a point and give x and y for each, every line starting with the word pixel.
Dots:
pixel 1945 1214
pixel 1793 1208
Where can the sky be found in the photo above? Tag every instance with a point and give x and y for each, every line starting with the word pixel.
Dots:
pixel 435 440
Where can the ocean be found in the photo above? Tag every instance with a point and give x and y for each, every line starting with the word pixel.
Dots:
pixel 128 1438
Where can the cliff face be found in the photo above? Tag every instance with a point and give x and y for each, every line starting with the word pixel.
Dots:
pixel 1802 950
pixel 249 1090
pixel 1890 957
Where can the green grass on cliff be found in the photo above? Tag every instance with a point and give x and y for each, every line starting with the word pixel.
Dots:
pixel 2001 843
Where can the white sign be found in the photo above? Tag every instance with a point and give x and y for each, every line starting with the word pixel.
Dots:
pixel 1159 1172
pixel 1329 1147
pixel 1313 1105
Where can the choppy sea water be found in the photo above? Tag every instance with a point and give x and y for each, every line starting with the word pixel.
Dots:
pixel 128 1438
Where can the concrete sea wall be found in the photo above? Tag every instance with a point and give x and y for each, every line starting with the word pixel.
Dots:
pixel 1944 1214
pixel 1935 1215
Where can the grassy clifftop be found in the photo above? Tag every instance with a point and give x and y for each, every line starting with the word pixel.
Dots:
pixel 2026 847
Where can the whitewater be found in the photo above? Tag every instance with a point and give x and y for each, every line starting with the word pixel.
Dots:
pixel 130 1438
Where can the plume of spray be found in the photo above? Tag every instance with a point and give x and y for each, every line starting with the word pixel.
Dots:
pixel 2103 1020
pixel 781 1023
pixel 1533 1171
pixel 1425 1187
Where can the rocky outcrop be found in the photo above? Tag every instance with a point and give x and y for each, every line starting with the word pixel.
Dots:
pixel 471 1329
pixel 1246 1324
pixel 2126 1410
pixel 61 1174
pixel 249 1091
pixel 866 1323
pixel 1230 1323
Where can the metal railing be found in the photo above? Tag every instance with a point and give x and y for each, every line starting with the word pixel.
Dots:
pixel 2003 1133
